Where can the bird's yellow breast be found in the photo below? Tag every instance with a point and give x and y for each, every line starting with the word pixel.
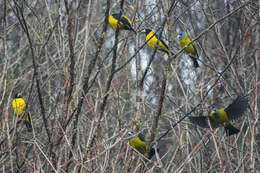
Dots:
pixel 190 48
pixel 153 41
pixel 18 106
pixel 222 117
pixel 112 21
pixel 138 144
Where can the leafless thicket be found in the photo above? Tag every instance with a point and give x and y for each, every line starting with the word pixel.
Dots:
pixel 85 85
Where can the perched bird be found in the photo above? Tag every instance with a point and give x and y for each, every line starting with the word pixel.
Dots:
pixel 152 39
pixel 18 106
pixel 138 142
pixel 185 40
pixel 222 117
pixel 124 24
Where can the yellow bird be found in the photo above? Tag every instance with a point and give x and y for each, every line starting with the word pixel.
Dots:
pixel 223 116
pixel 185 40
pixel 152 39
pixel 138 142
pixel 124 24
pixel 18 106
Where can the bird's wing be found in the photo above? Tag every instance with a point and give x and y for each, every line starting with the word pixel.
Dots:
pixel 164 44
pixel 236 109
pixel 162 41
pixel 125 21
pixel 202 122
pixel 141 137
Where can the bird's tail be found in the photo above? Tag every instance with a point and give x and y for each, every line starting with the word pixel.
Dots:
pixel 152 153
pixel 231 130
pixel 28 122
pixel 195 61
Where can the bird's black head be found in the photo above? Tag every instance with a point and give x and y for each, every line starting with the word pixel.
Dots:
pixel 17 95
pixel 147 31
pixel 116 15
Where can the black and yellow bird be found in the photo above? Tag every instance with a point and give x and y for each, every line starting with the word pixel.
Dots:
pixel 184 41
pixel 222 117
pixel 124 24
pixel 152 40
pixel 138 142
pixel 19 106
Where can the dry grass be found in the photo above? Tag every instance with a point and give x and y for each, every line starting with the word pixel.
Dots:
pixel 86 85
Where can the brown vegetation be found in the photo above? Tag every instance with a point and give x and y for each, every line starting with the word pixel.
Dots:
pixel 85 85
